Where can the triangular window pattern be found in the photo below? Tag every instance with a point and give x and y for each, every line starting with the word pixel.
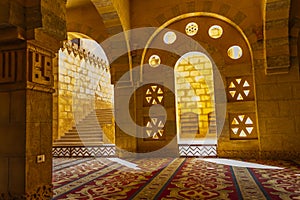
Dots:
pixel 242 126
pixel 155 128
pixel 154 94
pixel 240 89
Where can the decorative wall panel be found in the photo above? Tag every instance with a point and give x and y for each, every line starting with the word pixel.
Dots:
pixel 187 150
pixel 242 126
pixel 154 128
pixel 104 150
pixel 154 94
pixel 240 89
pixel 40 65
pixel 10 62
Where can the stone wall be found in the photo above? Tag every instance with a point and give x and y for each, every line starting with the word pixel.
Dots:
pixel 195 92
pixel 278 104
pixel 83 84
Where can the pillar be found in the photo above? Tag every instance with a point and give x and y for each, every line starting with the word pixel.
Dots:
pixel 30 35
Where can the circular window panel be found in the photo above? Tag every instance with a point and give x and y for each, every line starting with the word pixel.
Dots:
pixel 235 52
pixel 169 37
pixel 191 29
pixel 154 61
pixel 215 31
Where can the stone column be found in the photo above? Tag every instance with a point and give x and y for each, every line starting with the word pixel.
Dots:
pixel 125 131
pixel 29 39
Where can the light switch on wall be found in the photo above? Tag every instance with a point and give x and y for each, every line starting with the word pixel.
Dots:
pixel 41 158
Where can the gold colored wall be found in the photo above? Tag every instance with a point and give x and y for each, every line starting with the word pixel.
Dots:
pixel 195 91
pixel 83 85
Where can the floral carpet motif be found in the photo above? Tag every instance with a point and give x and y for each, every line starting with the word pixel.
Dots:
pixel 172 178
pixel 280 184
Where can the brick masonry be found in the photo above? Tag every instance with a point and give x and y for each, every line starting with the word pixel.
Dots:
pixel 195 91
pixel 83 85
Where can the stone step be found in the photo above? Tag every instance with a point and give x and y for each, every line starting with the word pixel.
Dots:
pixel 86 122
pixel 189 124
pixel 83 136
pixel 189 117
pixel 76 135
pixel 99 118
pixel 67 144
pixel 188 121
pixel 190 130
pixel 82 133
pixel 86 130
pixel 80 140
pixel 105 116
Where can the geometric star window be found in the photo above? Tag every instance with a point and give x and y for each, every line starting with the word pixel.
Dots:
pixel 240 89
pixel 154 94
pixel 154 128
pixel 242 126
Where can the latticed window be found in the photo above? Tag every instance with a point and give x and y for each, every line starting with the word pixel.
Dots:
pixel 240 89
pixel 154 128
pixel 154 94
pixel 242 126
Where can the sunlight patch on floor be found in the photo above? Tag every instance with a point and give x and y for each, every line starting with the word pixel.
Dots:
pixel 125 163
pixel 237 163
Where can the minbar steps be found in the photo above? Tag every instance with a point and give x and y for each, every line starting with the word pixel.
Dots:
pixel 189 123
pixel 87 132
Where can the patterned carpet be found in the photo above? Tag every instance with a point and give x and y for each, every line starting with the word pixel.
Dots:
pixel 179 178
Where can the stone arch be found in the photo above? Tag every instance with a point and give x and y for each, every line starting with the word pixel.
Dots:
pixel 87 30
pixel 79 71
pixel 239 17
pixel 116 19
pixel 276 43
pixel 194 102
pixel 253 32
pixel 213 51
pixel 231 71
pixel 108 19
pixel 111 14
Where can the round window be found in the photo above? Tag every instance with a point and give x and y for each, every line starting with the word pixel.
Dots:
pixel 170 37
pixel 215 31
pixel 191 29
pixel 235 52
pixel 154 61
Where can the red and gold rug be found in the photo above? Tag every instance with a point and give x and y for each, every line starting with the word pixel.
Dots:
pixel 169 178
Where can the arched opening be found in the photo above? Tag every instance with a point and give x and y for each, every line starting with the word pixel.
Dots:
pixel 227 45
pixel 195 99
pixel 83 102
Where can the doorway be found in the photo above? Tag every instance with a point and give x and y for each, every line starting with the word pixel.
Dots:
pixel 195 100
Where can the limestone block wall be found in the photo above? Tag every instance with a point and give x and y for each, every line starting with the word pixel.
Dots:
pixel 83 84
pixel 279 113
pixel 194 86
